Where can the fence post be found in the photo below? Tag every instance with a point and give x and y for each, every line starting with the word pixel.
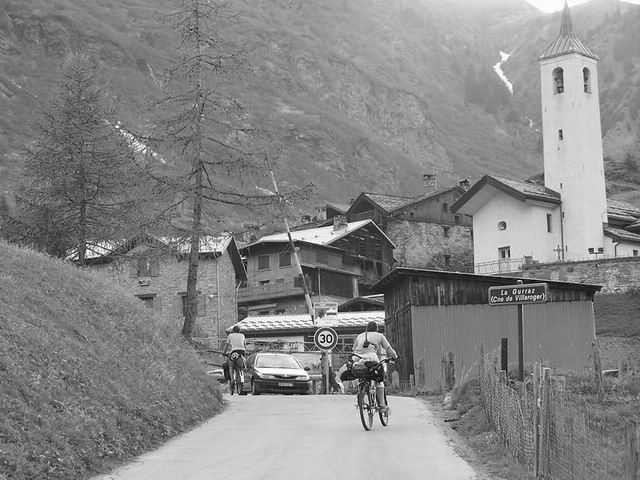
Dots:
pixel 597 367
pixel 536 418
pixel 630 460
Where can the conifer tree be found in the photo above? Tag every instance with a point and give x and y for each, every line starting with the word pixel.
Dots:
pixel 81 178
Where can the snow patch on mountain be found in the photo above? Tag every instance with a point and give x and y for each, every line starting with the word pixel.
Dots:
pixel 498 69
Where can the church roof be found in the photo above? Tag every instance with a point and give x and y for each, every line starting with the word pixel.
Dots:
pixel 622 211
pixel 567 41
pixel 486 188
pixel 620 234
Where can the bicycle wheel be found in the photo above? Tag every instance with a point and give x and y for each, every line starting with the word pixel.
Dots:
pixel 384 414
pixel 365 406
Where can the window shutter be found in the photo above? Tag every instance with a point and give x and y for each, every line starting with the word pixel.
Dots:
pixel 155 266
pixel 201 305
pixel 133 268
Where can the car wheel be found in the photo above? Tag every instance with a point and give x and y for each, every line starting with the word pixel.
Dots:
pixel 254 388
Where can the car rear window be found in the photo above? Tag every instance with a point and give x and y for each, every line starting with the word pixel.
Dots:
pixel 277 361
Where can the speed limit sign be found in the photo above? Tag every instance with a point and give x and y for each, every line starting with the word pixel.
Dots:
pixel 325 338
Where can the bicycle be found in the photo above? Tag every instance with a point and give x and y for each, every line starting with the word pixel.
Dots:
pixel 237 380
pixel 368 373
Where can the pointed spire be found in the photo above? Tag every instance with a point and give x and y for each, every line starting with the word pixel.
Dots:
pixel 567 41
pixel 566 28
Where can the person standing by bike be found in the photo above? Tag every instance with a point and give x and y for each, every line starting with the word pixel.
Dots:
pixel 369 346
pixel 237 343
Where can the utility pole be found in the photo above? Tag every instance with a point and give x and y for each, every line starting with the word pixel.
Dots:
pixel 296 260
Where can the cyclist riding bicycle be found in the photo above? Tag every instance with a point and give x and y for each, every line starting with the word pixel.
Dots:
pixel 238 345
pixel 369 346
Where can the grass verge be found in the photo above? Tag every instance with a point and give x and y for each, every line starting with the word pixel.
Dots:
pixel 88 378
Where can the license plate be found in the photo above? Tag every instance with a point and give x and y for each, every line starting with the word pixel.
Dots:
pixel 285 384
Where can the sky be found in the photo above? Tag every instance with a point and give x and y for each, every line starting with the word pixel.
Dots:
pixel 553 5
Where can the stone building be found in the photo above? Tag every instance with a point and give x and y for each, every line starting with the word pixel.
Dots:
pixel 155 271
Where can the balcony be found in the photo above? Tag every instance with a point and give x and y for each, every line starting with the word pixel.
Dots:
pixel 269 291
pixel 499 267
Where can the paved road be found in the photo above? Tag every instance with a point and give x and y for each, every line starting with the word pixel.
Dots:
pixel 305 438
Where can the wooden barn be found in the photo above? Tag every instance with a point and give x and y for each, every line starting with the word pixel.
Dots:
pixel 430 314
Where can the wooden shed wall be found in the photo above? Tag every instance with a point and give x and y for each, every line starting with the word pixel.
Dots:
pixel 558 333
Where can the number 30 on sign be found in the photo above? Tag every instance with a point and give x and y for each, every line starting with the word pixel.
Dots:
pixel 325 338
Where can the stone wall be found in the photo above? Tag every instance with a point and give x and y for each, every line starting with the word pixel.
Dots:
pixel 616 275
pixel 217 301
pixel 426 245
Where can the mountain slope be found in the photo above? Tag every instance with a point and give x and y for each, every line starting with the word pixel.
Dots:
pixel 357 96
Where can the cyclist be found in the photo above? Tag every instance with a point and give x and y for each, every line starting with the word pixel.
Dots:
pixel 369 346
pixel 238 345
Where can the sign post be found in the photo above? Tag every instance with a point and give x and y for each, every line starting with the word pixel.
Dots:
pixel 325 339
pixel 519 295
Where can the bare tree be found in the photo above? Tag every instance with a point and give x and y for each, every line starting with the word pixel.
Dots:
pixel 204 132
pixel 80 173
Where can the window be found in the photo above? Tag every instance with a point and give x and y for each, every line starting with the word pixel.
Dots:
pixel 284 259
pixel 456 219
pixel 264 282
pixel 200 305
pixel 263 262
pixel 445 231
pixel 586 79
pixel 549 222
pixel 445 207
pixel 504 253
pixel 635 253
pixel 502 225
pixel 147 299
pixel 558 80
pixel 447 260
pixel 145 267
pixel 560 135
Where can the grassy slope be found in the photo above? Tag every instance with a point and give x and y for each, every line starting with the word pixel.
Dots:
pixel 87 377
pixel 617 315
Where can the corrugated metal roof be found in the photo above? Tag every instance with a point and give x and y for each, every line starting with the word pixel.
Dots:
pixel 264 323
pixel 567 41
pixel 319 236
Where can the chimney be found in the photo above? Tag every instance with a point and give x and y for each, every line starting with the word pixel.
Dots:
pixel 430 183
pixel 351 201
pixel 464 183
pixel 321 213
pixel 339 222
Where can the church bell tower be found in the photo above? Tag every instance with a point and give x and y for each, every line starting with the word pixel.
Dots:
pixel 572 137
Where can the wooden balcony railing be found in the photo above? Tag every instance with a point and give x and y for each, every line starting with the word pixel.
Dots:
pixel 509 265
pixel 270 290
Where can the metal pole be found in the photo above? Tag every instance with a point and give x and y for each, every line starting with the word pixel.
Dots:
pixel 295 254
pixel 504 357
pixel 520 346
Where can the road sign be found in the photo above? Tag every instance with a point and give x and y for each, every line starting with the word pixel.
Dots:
pixel 325 338
pixel 519 294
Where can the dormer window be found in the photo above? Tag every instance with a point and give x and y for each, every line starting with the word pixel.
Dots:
pixel 558 80
pixel 586 79
pixel 502 225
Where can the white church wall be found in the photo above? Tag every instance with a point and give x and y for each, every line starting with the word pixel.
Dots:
pixel 525 233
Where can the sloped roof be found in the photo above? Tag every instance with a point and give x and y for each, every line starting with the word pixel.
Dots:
pixel 302 322
pixel 620 234
pixel 622 210
pixel 491 184
pixel 369 301
pixel 209 245
pixel 567 41
pixel 324 236
pixel 389 203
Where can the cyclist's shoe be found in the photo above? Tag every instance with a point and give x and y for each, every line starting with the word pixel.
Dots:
pixel 384 409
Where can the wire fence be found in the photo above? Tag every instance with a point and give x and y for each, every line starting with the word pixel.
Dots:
pixel 552 435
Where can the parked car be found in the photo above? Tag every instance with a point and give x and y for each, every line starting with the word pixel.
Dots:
pixel 276 373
